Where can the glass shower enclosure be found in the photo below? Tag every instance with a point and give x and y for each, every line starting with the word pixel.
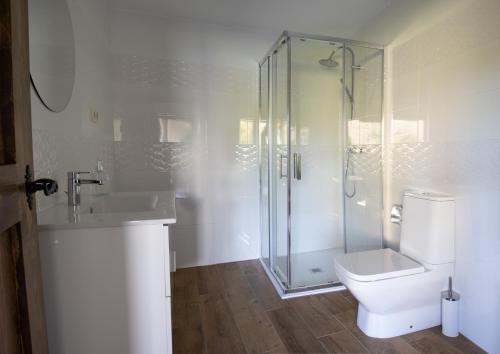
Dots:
pixel 320 157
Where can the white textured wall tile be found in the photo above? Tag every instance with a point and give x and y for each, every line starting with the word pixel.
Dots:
pixel 446 78
pixel 185 95
pixel 69 141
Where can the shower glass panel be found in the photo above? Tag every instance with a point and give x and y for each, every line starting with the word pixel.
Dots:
pixel 264 160
pixel 363 184
pixel 316 158
pixel 279 163
pixel 320 157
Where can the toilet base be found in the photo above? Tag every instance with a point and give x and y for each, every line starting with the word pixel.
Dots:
pixel 398 323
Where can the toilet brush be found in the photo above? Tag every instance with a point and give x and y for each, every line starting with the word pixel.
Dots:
pixel 449 310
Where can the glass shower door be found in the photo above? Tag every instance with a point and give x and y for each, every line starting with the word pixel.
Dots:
pixel 279 164
pixel 317 231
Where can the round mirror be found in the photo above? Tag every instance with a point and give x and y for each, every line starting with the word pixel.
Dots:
pixel 52 52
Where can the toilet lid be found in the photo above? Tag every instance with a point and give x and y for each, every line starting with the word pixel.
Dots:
pixel 377 265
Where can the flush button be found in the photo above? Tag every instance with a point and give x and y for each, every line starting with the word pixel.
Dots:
pixel 397 214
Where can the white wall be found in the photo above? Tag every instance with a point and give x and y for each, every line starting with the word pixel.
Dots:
pixel 182 92
pixel 443 134
pixel 69 141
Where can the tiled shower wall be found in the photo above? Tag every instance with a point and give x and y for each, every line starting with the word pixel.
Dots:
pixel 443 134
pixel 185 112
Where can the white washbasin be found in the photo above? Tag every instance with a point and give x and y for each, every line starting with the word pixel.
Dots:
pixel 114 209
pixel 123 203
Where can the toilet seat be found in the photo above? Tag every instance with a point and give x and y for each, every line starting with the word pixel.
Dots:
pixel 377 265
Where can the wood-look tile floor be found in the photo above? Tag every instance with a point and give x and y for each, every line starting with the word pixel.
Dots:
pixel 233 308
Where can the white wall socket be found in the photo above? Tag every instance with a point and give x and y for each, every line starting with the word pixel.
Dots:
pixel 94 116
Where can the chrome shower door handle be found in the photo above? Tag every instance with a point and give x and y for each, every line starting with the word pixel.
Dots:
pixel 297 166
pixel 282 175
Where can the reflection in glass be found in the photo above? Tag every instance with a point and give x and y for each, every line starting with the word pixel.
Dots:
pixel 117 129
pixel 247 131
pixel 405 131
pixel 174 130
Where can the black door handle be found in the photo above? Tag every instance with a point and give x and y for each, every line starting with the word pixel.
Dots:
pixel 48 186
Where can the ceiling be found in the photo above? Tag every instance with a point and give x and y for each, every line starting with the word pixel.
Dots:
pixel 341 18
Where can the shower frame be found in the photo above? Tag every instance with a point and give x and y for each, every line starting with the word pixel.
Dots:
pixel 285 38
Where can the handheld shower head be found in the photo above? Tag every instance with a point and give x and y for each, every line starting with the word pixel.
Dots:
pixel 348 92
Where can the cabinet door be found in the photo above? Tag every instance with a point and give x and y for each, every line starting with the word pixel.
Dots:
pixel 168 310
pixel 114 277
pixel 167 259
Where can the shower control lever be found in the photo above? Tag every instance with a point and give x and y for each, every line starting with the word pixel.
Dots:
pixel 297 166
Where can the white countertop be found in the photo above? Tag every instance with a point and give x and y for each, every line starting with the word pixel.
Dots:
pixel 111 210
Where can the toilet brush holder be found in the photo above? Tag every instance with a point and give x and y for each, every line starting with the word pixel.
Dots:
pixel 450 301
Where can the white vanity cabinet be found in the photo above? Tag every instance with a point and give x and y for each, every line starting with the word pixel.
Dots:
pixel 107 288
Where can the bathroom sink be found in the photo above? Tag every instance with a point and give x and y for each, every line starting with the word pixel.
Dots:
pixel 114 209
pixel 123 203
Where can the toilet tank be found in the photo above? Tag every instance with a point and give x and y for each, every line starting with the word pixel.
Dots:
pixel 428 227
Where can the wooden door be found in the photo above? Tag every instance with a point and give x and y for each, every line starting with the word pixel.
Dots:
pixel 22 317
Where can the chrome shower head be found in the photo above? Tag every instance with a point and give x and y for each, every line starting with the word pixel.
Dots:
pixel 329 62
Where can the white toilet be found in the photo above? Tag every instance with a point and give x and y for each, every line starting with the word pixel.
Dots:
pixel 400 292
